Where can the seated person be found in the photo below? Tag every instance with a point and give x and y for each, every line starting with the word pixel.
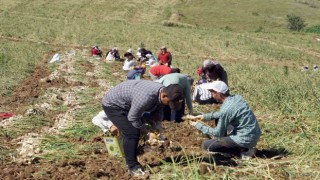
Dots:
pixel 129 62
pixel 113 55
pixel 143 54
pixel 96 51
pixel 137 72
pixel 210 71
pixel 151 60
pixel 165 57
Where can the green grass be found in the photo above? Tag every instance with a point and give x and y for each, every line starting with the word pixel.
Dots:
pixel 249 38
pixel 313 29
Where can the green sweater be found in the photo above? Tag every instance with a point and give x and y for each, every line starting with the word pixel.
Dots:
pixel 236 112
pixel 182 80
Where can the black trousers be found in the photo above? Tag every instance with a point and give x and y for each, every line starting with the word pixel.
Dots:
pixel 223 145
pixel 129 134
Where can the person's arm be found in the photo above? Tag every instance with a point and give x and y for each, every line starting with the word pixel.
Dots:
pixel 188 96
pixel 169 58
pixel 212 115
pixel 217 131
pixel 139 105
pixel 160 61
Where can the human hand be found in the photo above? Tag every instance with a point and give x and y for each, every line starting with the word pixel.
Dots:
pixel 199 117
pixel 192 123
pixel 189 118
pixel 193 118
pixel 163 137
pixel 114 131
pixel 143 129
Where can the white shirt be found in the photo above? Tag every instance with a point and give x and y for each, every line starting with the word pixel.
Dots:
pixel 128 64
pixel 203 93
pixel 110 57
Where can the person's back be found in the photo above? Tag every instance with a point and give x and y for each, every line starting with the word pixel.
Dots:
pixel 135 73
pixel 160 70
pixel 125 93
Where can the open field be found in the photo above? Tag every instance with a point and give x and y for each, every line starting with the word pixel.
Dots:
pixel 52 136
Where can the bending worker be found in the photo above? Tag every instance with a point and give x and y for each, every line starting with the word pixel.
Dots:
pixel 125 105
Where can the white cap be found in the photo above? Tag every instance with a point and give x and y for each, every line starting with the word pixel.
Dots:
pixel 129 50
pixel 218 86
pixel 148 55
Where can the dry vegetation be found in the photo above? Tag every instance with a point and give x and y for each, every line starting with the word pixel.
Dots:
pixel 263 60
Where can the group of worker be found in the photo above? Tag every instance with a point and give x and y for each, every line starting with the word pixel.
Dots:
pixel 126 106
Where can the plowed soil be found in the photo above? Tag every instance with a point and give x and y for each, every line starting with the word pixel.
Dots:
pixel 183 143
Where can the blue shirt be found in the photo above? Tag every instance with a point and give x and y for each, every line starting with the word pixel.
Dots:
pixel 236 112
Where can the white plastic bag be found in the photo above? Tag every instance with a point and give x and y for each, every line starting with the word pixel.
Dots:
pixel 55 58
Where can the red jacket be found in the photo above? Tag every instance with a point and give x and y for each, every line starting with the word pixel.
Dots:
pixel 160 70
pixel 95 51
pixel 165 58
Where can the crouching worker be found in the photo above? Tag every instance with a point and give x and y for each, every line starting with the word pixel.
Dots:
pixel 236 112
pixel 126 103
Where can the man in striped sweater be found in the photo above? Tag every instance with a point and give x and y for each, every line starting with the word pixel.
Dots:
pixel 236 112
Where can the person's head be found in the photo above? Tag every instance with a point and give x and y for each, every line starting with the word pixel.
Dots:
pixel 128 55
pixel 219 90
pixel 214 71
pixel 163 49
pixel 175 70
pixel 173 96
pixel 207 62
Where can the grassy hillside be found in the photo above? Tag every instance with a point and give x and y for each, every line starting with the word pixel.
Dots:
pixel 248 15
pixel 249 38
